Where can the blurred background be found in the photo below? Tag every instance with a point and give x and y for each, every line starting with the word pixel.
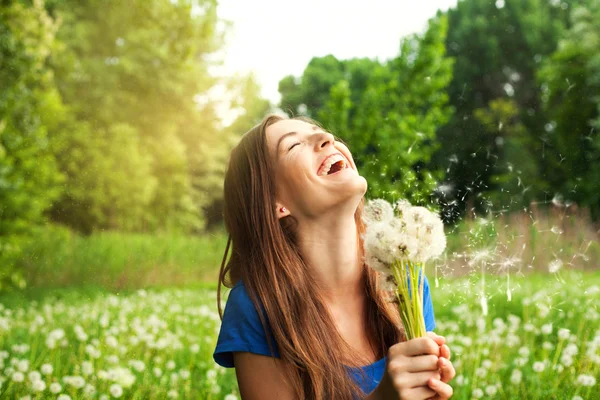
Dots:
pixel 116 123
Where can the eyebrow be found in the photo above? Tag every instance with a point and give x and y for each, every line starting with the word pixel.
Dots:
pixel 314 128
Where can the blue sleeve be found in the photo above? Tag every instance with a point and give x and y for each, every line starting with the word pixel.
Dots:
pixel 428 307
pixel 241 329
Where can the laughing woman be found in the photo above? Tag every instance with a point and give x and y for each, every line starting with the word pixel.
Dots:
pixel 304 318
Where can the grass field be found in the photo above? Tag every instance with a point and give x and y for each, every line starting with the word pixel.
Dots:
pixel 157 343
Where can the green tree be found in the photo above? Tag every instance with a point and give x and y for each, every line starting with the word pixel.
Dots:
pixel 29 177
pixel 130 76
pixel 498 47
pixel 571 94
pixel 391 127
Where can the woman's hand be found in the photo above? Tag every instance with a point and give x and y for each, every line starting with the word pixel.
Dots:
pixel 418 369
pixel 443 391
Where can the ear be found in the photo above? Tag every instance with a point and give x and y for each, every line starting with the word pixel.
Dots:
pixel 281 210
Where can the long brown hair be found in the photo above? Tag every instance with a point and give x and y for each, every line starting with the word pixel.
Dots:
pixel 266 257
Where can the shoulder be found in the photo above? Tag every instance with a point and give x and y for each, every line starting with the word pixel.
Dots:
pixel 241 328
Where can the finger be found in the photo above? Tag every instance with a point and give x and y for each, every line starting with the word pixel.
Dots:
pixel 447 369
pixel 420 346
pixel 445 352
pixel 440 340
pixel 421 392
pixel 442 389
pixel 416 379
pixel 427 362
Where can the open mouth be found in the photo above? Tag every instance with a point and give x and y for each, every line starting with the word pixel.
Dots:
pixel 332 164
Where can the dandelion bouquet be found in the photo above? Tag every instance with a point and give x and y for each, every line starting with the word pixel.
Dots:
pixel 398 241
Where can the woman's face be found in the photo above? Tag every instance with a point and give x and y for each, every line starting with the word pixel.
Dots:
pixel 314 173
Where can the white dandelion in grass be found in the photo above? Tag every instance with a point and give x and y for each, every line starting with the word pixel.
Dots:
pixel 516 376
pixel 398 246
pixel 539 366
pixel 586 380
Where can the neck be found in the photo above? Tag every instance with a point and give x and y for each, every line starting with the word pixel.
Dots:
pixel 330 247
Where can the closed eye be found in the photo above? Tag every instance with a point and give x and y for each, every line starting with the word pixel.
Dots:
pixel 292 146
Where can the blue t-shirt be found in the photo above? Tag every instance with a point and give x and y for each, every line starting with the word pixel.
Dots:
pixel 241 330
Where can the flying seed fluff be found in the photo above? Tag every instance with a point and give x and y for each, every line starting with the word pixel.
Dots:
pixel 266 257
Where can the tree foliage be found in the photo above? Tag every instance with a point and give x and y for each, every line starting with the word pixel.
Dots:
pixel 388 113
pixel 29 176
pixel 571 92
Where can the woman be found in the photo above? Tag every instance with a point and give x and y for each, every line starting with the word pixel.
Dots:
pixel 305 319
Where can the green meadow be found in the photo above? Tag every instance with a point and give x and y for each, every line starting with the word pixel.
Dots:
pixel 115 315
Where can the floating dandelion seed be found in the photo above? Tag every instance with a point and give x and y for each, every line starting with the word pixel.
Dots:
pixel 555 266
pixel 557 200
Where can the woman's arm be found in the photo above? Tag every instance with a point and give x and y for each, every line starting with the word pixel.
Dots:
pixel 261 377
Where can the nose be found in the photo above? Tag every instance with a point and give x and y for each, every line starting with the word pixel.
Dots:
pixel 324 139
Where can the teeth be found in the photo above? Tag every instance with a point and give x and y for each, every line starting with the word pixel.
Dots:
pixel 329 162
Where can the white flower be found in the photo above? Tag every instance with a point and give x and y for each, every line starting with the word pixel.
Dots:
pixel 211 374
pixel 477 393
pixel 547 329
pixel 377 210
pixel 184 373
pixel 524 352
pixel 539 366
pixel 87 368
pixel 55 387
pixel 38 386
pixel 516 377
pixel 555 266
pixel 23 365
pixel 491 390
pixel 63 397
pixel 547 346
pixel 18 376
pixel 116 390
pixel 89 389
pixel 231 396
pixel 46 369
pixel 172 394
pixel 586 380
pixel 577 398
pixel 34 376
pixel 563 334
pixel 566 360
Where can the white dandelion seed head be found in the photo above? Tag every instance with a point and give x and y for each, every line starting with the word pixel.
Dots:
pixel 18 377
pixel 377 210
pixel 586 380
pixel 46 369
pixel 491 390
pixel 563 334
pixel 516 377
pixel 116 390
pixel 34 376
pixel 38 386
pixel 547 329
pixel 55 387
pixel 402 205
pixel 539 366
